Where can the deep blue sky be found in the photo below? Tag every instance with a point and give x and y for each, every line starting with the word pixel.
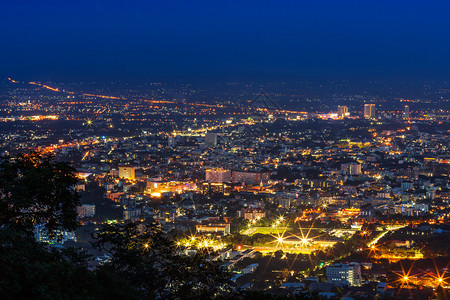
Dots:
pixel 190 39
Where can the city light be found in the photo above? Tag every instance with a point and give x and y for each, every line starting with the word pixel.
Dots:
pixel 305 241
pixel 219 155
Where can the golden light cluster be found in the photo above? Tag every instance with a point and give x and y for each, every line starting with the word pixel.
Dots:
pixel 201 243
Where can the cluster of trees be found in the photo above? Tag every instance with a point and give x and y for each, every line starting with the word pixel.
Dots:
pixel 257 239
pixel 144 265
pixel 343 249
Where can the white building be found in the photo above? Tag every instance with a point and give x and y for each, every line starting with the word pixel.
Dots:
pixel 344 274
pixel 59 236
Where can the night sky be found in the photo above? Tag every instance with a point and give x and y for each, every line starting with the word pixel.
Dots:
pixel 232 40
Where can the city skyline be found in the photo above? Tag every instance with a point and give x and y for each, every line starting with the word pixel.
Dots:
pixel 225 150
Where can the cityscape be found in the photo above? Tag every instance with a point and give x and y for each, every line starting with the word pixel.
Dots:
pixel 256 187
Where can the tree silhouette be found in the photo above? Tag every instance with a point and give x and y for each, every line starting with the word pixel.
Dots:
pixel 34 190
pixel 145 264
pixel 153 265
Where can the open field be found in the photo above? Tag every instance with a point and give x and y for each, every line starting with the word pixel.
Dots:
pixel 264 230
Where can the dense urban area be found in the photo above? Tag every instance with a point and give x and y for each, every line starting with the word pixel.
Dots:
pixel 294 189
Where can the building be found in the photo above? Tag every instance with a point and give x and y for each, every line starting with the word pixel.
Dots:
pixel 171 142
pixel 342 111
pixel 127 172
pixel 354 169
pixel 349 273
pixel 211 139
pixel 251 215
pixel 250 268
pixel 351 168
pixel 406 112
pixel 58 236
pixel 217 175
pixel 407 185
pixel 223 229
pixel 80 187
pixel 86 210
pixel 247 177
pixel 286 200
pixel 131 213
pixel 369 111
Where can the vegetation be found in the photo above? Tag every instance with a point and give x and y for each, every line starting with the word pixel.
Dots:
pixel 35 190
pixel 144 264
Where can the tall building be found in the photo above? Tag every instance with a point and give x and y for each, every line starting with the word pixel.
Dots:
pixel 406 113
pixel 342 111
pixel 172 142
pixel 217 175
pixel 354 169
pixel 211 139
pixel 369 111
pixel 344 274
pixel 351 168
pixel 126 172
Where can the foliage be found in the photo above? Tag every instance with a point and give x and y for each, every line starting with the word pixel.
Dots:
pixel 257 239
pixel 153 266
pixel 238 224
pixel 35 271
pixel 34 189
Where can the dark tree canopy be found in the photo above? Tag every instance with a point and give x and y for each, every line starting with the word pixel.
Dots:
pixel 144 265
pixel 151 263
pixel 34 190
